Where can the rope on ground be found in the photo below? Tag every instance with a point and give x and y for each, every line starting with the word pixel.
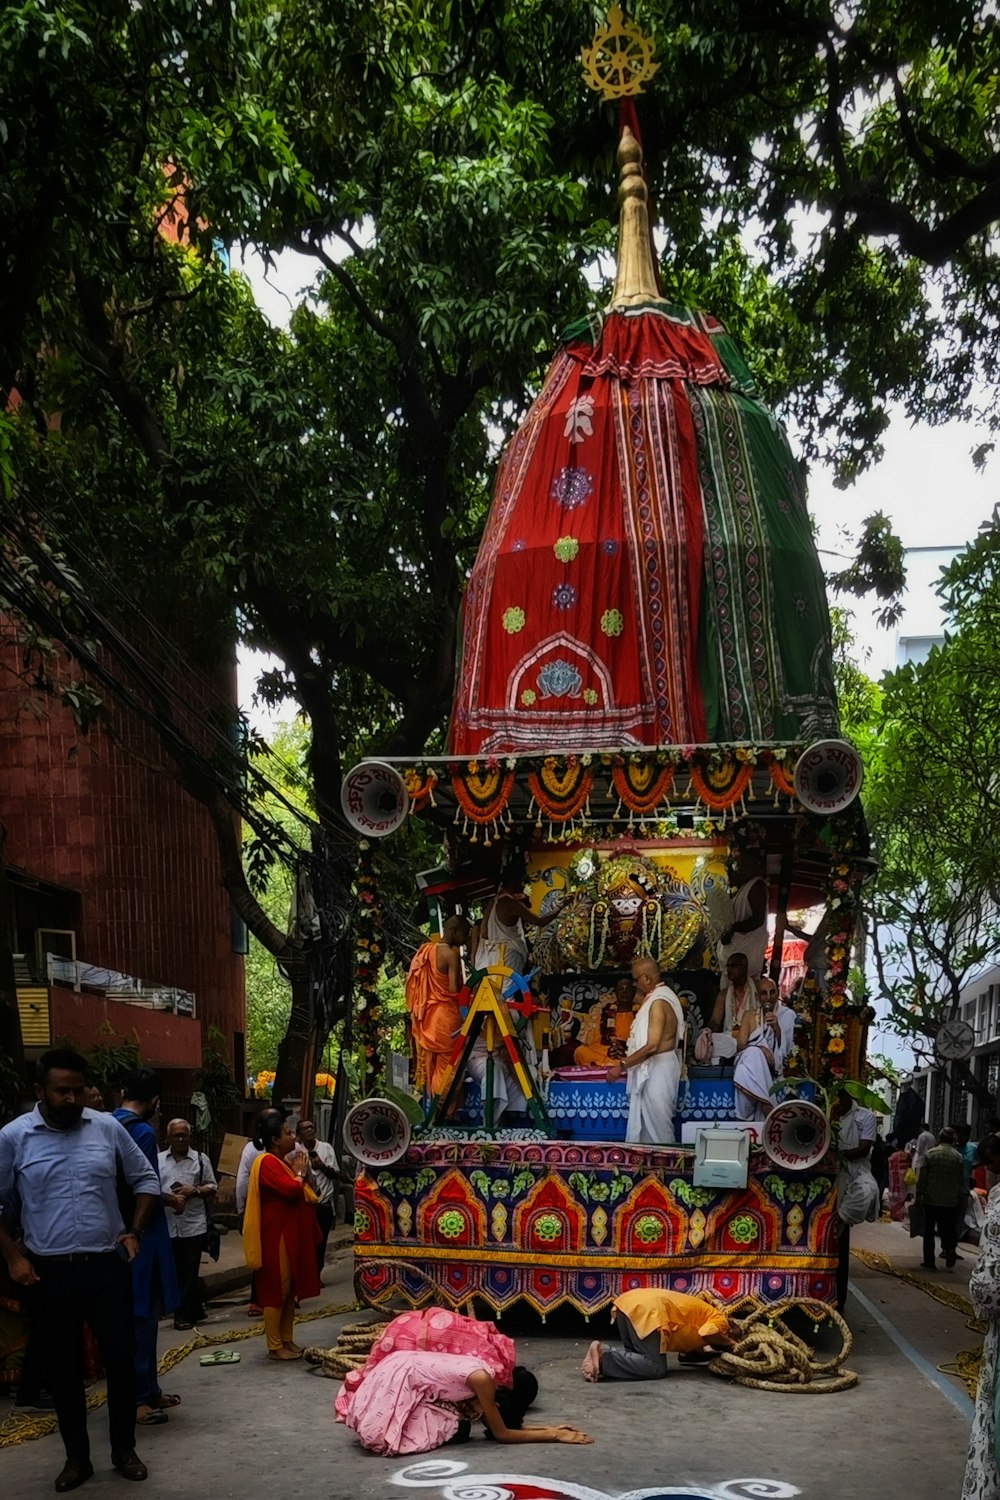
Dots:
pixel 943 1294
pixel 17 1429
pixel 768 1356
pixel 351 1350
pixel 965 1365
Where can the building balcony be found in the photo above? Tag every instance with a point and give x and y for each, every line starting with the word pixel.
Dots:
pixel 160 1020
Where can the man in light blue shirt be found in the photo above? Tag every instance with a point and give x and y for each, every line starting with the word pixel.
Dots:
pixel 63 1163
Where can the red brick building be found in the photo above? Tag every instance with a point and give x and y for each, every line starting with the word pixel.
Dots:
pixel 112 865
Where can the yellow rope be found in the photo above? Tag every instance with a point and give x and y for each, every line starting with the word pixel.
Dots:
pixel 943 1294
pixel 18 1429
pixel 965 1365
pixel 768 1356
pixel 351 1350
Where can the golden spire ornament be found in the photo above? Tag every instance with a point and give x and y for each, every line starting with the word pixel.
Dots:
pixel 620 59
pixel 636 279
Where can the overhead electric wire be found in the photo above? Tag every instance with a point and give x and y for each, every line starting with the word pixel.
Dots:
pixel 247 779
pixel 86 561
pixel 28 602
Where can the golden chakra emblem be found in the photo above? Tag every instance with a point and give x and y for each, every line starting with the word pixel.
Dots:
pixel 620 59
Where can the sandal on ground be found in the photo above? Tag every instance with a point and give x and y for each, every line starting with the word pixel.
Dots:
pixel 150 1416
pixel 220 1357
pixel 165 1401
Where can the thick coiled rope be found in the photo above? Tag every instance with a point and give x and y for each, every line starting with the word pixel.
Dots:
pixel 768 1356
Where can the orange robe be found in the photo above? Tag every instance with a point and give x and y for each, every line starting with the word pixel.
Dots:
pixel 592 1055
pixel 435 1016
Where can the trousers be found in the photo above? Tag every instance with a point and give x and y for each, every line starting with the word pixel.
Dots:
pixel 188 1251
pixel 325 1220
pixel 636 1358
pixel 943 1221
pixel 279 1322
pixel 843 1263
pixel 69 1293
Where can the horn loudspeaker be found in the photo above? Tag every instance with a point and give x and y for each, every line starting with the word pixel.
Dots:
pixel 796 1135
pixel 376 1132
pixel 828 776
pixel 374 798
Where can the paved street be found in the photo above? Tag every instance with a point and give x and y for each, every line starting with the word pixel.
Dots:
pixel 259 1430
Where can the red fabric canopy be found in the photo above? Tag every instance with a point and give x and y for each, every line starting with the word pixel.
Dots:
pixel 581 613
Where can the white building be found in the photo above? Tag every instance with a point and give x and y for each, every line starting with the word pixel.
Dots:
pixel 980 1006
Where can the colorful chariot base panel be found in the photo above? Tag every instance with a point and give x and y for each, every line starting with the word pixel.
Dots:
pixel 553 1223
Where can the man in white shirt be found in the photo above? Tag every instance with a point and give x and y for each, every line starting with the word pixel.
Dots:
pixel 325 1170
pixel 857 1191
pixel 188 1176
pixel 747 933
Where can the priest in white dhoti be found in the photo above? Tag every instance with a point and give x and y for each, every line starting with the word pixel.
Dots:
pixel 508 1096
pixel 652 1065
pixel 766 1037
pixel 738 997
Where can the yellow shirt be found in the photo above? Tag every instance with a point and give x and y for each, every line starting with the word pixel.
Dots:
pixel 685 1323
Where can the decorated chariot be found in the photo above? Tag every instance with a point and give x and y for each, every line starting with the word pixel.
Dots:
pixel 645 695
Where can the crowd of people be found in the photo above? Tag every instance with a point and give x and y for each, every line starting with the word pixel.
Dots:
pixel 102 1234
pixel 103 1231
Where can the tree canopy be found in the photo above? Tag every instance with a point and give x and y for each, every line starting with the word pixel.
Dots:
pixel 931 798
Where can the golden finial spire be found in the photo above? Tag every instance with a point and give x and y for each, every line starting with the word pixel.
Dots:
pixel 636 279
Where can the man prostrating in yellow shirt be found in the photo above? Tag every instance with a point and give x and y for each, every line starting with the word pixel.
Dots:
pixel 652 1322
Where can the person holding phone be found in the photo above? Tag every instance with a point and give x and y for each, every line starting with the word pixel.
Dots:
pixel 324 1177
pixel 187 1176
pixel 280 1234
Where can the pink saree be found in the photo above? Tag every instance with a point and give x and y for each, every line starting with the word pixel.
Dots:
pixel 407 1397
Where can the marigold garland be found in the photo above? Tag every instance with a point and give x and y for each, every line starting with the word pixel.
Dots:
pixel 642 786
pixel 368 962
pixel 561 794
pixel 420 788
pixel 721 785
pixel 780 779
pixel 482 794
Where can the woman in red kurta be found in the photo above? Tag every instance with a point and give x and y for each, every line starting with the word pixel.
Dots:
pixel 280 1235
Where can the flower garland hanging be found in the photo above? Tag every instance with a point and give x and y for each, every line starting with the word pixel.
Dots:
pixel 561 790
pixel 721 783
pixel 782 778
pixel 483 794
pixel 420 787
pixel 642 786
pixel 367 963
pixel 842 906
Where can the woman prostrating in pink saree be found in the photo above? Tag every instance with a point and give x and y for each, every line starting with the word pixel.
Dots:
pixel 429 1376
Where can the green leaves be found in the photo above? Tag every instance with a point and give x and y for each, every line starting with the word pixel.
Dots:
pixel 931 797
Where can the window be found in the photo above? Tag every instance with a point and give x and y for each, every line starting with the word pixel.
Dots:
pixel 936 1118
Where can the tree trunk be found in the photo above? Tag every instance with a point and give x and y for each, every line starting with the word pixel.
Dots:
pixel 294 1045
pixel 13 1069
